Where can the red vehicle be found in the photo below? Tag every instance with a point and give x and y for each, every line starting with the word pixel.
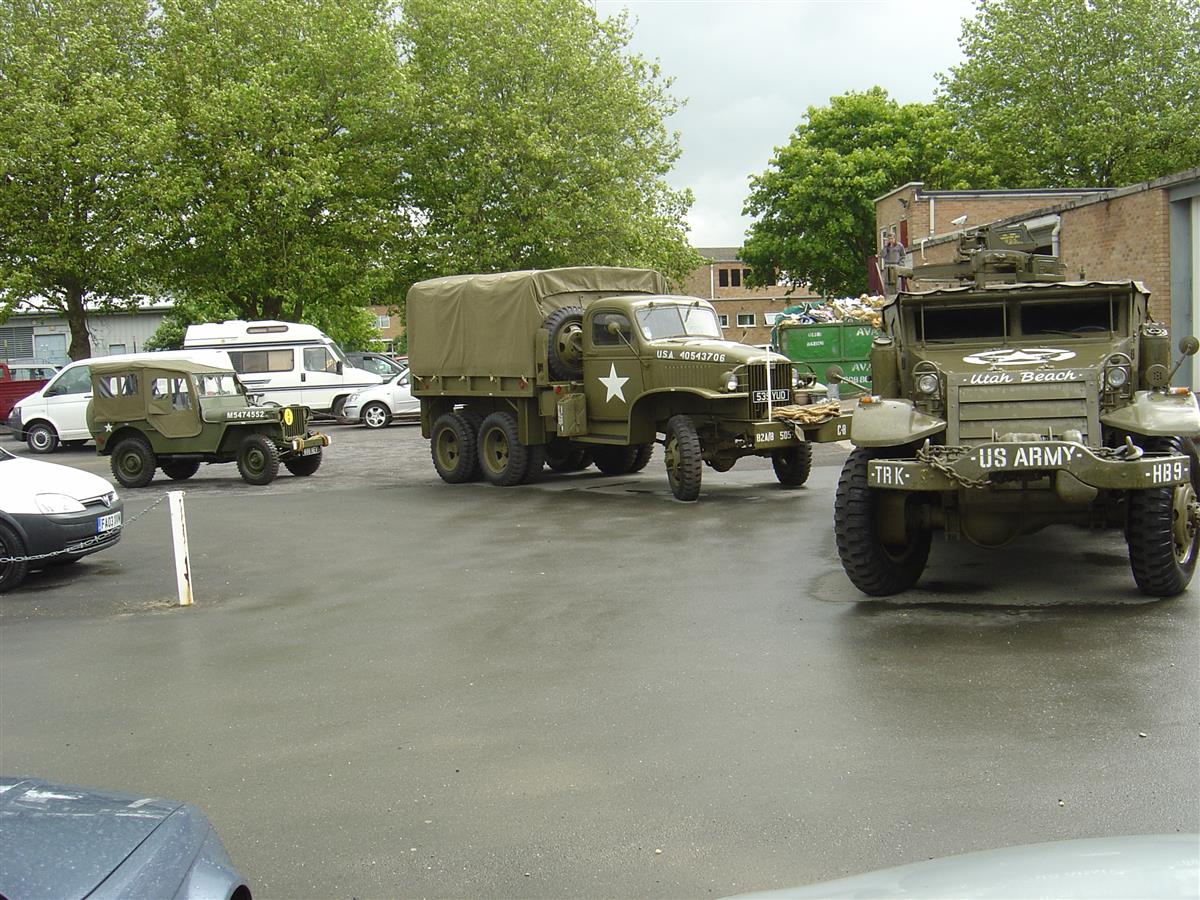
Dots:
pixel 17 382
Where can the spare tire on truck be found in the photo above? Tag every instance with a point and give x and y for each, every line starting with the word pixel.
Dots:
pixel 565 346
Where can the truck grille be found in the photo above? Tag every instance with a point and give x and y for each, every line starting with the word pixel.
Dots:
pixel 978 412
pixel 756 380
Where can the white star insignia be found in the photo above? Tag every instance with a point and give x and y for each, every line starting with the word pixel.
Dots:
pixel 108 427
pixel 613 384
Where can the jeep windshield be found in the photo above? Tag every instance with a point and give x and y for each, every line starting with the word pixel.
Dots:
pixel 1017 318
pixel 223 385
pixel 660 323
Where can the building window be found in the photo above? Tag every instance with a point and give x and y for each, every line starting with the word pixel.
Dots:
pixel 382 322
pixel 771 318
pixel 724 320
pixel 745 320
pixel 735 276
pixel 722 278
pixel 746 275
pixel 114 349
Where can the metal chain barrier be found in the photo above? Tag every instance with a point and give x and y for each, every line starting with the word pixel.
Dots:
pixel 90 542
pixel 930 456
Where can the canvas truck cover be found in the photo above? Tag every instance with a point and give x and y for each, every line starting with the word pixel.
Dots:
pixel 487 324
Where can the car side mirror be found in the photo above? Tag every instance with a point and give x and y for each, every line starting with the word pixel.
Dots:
pixel 614 329
pixel 1189 345
pixel 835 374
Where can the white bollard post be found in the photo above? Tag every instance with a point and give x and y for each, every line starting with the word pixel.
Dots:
pixel 183 564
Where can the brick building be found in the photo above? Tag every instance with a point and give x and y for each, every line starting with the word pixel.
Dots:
pixel 747 314
pixel 390 326
pixel 1149 232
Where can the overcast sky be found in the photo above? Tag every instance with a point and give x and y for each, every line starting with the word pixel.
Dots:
pixel 749 70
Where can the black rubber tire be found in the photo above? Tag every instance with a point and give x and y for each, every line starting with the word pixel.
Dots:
pixel 1162 563
pixel 641 459
pixel 11 544
pixel 873 567
pixel 537 462
pixel 258 460
pixel 566 456
pixel 452 444
pixel 180 469
pixel 503 459
pixel 792 465
pixel 133 461
pixel 682 453
pixel 564 328
pixel 339 404
pixel 376 415
pixel 41 437
pixel 615 460
pixel 303 466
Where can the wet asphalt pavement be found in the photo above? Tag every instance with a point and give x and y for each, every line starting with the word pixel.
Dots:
pixel 394 687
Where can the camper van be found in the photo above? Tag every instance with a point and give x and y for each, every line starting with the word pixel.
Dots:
pixel 285 362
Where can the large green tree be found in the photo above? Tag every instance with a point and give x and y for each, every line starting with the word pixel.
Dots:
pixel 814 205
pixel 1081 93
pixel 82 141
pixel 536 139
pixel 287 168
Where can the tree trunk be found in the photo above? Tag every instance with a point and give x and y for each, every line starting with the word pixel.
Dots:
pixel 81 342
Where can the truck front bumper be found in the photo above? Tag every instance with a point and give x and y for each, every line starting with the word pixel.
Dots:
pixel 949 468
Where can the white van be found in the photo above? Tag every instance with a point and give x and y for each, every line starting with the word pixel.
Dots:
pixel 285 362
pixel 57 413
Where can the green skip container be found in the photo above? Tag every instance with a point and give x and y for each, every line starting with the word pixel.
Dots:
pixel 847 344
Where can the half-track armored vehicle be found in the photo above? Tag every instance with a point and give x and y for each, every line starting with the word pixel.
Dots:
pixel 1002 408
pixel 590 365
pixel 175 414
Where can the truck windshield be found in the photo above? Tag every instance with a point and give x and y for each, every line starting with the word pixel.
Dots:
pixel 959 323
pixel 662 322
pixel 1089 315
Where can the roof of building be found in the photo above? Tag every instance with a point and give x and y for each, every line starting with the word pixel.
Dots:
pixel 721 254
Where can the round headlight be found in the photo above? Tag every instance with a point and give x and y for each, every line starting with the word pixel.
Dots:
pixel 731 382
pixel 927 383
pixel 1116 377
pixel 795 379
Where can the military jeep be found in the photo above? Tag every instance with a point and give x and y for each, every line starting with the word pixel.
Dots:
pixel 175 414
pixel 1003 408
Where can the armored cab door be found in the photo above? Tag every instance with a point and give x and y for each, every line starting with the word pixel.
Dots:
pixel 171 405
pixel 612 372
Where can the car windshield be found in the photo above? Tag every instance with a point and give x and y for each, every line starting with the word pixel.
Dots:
pixel 663 322
pixel 222 385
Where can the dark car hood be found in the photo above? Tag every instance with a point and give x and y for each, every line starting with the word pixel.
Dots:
pixel 68 838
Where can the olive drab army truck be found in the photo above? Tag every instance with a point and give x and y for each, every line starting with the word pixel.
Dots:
pixel 175 414
pixel 590 365
pixel 1004 408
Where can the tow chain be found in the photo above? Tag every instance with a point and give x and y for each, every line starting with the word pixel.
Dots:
pixel 90 542
pixel 928 455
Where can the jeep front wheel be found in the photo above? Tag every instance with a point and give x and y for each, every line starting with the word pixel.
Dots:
pixel 303 466
pixel 685 462
pixel 1163 531
pixel 452 446
pixel 876 566
pixel 502 457
pixel 180 469
pixel 258 460
pixel 792 465
pixel 133 462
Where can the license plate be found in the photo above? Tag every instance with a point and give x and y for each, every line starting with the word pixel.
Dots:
pixel 310 451
pixel 108 523
pixel 777 394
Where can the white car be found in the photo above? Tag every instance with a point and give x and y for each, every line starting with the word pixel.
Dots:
pixel 376 406
pixel 57 513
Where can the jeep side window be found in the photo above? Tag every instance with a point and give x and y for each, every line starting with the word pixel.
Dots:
pixel 125 385
pixel 72 381
pixel 172 392
pixel 318 359
pixel 602 337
